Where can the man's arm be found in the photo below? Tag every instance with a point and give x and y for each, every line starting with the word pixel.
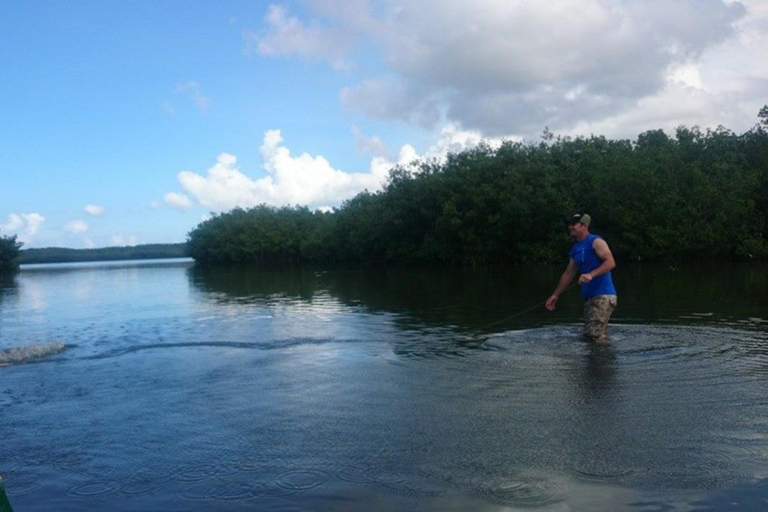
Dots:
pixel 604 253
pixel 565 280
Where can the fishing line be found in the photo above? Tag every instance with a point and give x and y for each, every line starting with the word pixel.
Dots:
pixel 525 310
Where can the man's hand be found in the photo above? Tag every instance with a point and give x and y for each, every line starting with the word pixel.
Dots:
pixel 551 301
pixel 585 278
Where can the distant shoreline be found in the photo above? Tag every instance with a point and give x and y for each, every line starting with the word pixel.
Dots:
pixel 136 252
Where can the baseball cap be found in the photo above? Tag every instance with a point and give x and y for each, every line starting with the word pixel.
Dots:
pixel 583 218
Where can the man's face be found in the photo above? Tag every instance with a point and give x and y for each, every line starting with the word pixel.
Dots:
pixel 576 229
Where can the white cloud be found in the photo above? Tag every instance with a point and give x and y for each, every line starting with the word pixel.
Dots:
pixel 677 104
pixel 739 64
pixel 504 67
pixel 123 241
pixel 76 227
pixel 178 201
pixel 193 92
pixel 394 100
pixel 381 165
pixel 304 179
pixel 94 210
pixel 453 139
pixel 24 225
pixel 369 145
pixel 688 74
pixel 14 222
pixel 287 35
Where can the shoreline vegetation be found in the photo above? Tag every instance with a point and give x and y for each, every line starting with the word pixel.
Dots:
pixel 136 252
pixel 9 253
pixel 700 195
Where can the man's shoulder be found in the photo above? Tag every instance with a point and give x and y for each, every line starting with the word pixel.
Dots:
pixel 594 238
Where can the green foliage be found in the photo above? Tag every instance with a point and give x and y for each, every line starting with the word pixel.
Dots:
pixel 136 252
pixel 9 252
pixel 263 235
pixel 697 195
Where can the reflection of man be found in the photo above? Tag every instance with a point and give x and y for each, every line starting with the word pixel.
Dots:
pixel 591 256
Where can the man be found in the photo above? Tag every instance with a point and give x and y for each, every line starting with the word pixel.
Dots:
pixel 592 257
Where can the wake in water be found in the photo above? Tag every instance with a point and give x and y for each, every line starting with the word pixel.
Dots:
pixel 25 354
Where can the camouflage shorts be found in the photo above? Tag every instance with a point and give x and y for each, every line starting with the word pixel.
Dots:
pixel 597 312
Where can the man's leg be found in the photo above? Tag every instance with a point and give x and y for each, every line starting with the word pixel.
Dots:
pixel 597 312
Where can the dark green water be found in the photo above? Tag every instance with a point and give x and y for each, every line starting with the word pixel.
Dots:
pixel 160 386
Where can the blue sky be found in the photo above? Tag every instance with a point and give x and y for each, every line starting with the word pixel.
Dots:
pixel 127 122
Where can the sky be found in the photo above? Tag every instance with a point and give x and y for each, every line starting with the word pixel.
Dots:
pixel 130 122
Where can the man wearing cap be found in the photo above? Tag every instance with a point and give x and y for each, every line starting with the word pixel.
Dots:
pixel 592 257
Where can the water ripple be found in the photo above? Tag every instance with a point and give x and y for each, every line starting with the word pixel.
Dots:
pixel 94 488
pixel 220 490
pixel 22 483
pixel 521 490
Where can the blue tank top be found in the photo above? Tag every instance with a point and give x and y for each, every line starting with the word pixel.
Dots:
pixel 587 260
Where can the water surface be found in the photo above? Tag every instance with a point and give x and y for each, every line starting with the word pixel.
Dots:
pixel 168 387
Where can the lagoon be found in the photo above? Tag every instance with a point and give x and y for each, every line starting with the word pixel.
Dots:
pixel 170 387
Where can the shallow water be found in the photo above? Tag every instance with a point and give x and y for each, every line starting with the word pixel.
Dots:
pixel 306 390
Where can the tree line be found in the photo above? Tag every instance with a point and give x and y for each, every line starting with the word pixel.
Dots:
pixel 136 252
pixel 12 254
pixel 702 194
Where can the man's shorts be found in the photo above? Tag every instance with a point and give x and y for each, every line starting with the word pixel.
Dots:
pixel 597 312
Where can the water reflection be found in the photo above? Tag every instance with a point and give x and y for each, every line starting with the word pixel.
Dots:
pixel 8 293
pixel 599 432
pixel 254 285
pixel 8 285
pixel 600 369
pixel 468 300
pixel 252 389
